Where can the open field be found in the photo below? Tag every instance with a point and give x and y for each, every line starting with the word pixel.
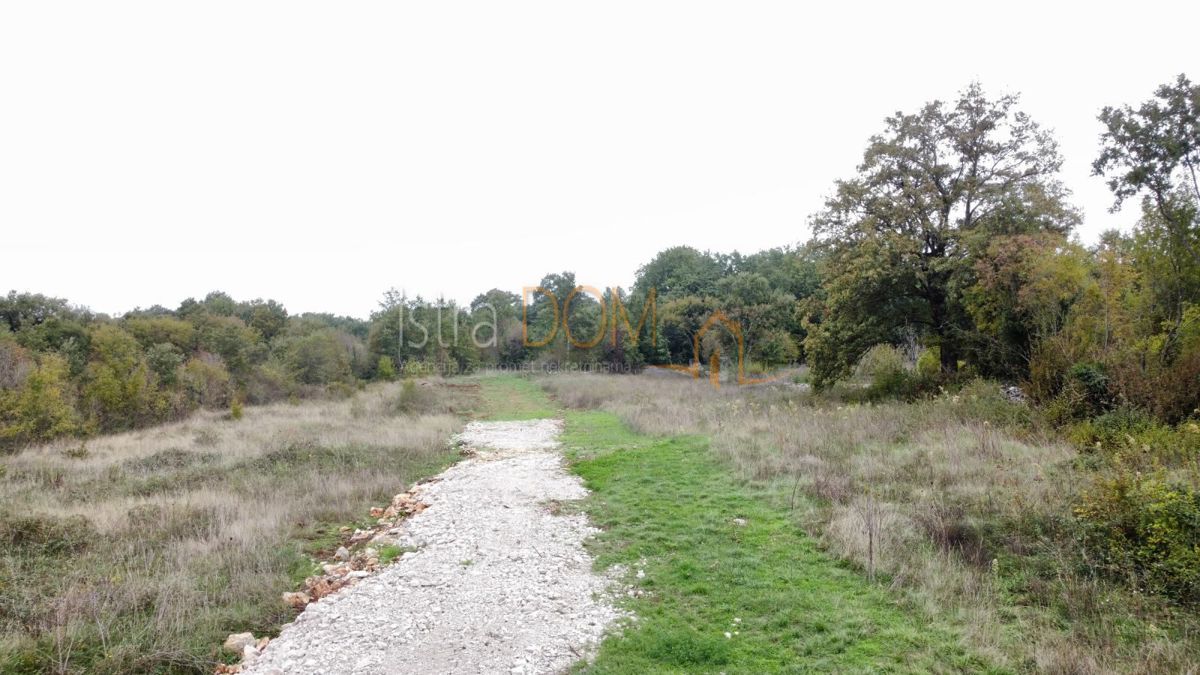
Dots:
pixel 958 504
pixel 819 534
pixel 141 551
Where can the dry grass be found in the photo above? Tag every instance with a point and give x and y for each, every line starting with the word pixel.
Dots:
pixel 141 551
pixel 960 502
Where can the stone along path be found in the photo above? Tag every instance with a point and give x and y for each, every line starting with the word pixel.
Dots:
pixel 496 583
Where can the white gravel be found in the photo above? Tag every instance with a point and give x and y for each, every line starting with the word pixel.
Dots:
pixel 498 584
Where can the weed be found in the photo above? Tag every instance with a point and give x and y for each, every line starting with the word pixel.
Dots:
pixel 389 553
pixel 144 554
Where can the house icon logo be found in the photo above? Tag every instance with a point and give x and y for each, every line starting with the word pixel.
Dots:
pixel 716 321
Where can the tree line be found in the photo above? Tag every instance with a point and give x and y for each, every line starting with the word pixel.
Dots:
pixel 952 242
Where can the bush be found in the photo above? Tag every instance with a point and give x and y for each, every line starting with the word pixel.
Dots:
pixel 778 348
pixel 118 386
pixel 317 358
pixel 890 376
pixel 1110 431
pixel 986 401
pixel 164 360
pixel 16 363
pixel 206 382
pixel 1093 384
pixel 1169 390
pixel 44 535
pixel 387 369
pixel 1135 437
pixel 880 362
pixel 929 363
pixel 1145 528
pixel 41 409
pixel 412 399
pixel 269 382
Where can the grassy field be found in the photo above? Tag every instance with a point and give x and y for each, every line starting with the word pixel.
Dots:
pixel 140 552
pixel 516 398
pixel 723 580
pixel 820 535
pixel 960 506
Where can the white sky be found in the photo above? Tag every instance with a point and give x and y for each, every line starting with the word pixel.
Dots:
pixel 319 153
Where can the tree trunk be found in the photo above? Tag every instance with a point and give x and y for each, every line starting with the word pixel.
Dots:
pixel 949 354
pixel 947 345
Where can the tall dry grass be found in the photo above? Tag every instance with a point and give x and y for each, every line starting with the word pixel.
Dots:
pixel 961 503
pixel 141 551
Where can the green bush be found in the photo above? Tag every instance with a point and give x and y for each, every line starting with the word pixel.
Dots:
pixel 164 360
pixel 880 362
pixel 387 369
pixel 1111 431
pixel 890 376
pixel 118 386
pixel 317 358
pixel 412 399
pixel 986 401
pixel 929 363
pixel 41 409
pixel 1138 440
pixel 1145 528
pixel 1093 385
pixel 207 382
pixel 778 348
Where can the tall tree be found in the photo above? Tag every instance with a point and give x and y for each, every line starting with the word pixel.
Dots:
pixel 1154 151
pixel 680 271
pixel 901 236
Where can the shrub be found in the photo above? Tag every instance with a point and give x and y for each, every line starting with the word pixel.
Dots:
pixel 419 369
pixel 44 534
pixel 1110 431
pixel 929 363
pixel 118 386
pixel 15 363
pixel 1093 384
pixel 164 360
pixel 1145 528
pixel 985 401
pixel 41 409
pixel 412 399
pixel 387 369
pixel 269 382
pixel 317 358
pixel 890 376
pixel 1137 439
pixel 778 348
pixel 157 330
pixel 206 382
pixel 880 362
pixel 1169 390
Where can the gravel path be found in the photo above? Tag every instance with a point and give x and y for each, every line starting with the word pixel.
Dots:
pixel 498 584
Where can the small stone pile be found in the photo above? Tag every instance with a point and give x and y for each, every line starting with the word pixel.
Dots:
pixel 348 567
pixel 344 570
pixel 245 645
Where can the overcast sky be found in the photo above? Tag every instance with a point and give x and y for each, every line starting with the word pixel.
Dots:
pixel 319 153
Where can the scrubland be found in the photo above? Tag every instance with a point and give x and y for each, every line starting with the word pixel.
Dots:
pixel 141 551
pixel 963 505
